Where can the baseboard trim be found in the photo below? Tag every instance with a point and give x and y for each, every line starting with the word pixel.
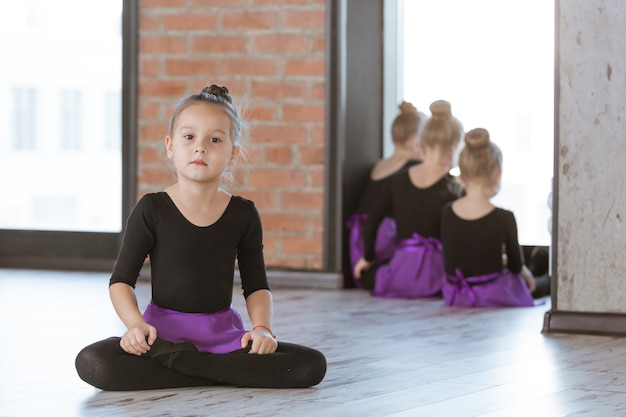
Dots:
pixel 302 279
pixel 605 324
pixel 285 278
pixel 278 278
pixel 57 263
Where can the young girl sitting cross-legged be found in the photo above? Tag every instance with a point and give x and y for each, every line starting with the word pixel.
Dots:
pixel 193 232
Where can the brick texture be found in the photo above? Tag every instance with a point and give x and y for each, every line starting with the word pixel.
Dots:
pixel 270 53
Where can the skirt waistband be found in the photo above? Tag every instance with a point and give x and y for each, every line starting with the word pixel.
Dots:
pixel 218 332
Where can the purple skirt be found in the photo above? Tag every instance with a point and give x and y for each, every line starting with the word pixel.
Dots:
pixel 219 332
pixel 415 270
pixel 385 240
pixel 500 289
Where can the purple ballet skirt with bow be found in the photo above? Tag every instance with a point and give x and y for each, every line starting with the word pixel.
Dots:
pixel 500 289
pixel 415 270
pixel 218 332
pixel 385 240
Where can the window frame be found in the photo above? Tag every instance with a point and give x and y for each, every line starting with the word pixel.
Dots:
pixel 88 250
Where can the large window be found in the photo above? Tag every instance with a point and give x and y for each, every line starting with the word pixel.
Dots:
pixel 23 119
pixel 59 94
pixel 70 129
pixel 68 108
pixel 494 61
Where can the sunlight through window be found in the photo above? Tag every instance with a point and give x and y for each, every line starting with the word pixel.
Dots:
pixel 63 70
pixel 494 61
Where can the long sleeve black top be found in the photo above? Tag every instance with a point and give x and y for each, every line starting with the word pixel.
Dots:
pixel 415 210
pixel 475 246
pixel 192 267
pixel 374 189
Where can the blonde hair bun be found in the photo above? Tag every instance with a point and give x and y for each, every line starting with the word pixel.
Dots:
pixel 481 159
pixel 477 139
pixel 441 109
pixel 407 108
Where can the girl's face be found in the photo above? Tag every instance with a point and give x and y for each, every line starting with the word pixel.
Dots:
pixel 201 146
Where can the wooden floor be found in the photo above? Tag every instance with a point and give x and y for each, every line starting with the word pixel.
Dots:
pixel 395 358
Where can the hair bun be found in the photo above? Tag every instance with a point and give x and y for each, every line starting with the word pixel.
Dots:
pixel 407 108
pixel 218 90
pixel 477 139
pixel 441 109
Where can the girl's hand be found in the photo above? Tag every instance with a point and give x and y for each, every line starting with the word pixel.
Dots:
pixel 262 341
pixel 361 265
pixel 138 339
pixel 529 278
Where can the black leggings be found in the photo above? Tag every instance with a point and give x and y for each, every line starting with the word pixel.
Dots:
pixel 106 366
pixel 368 278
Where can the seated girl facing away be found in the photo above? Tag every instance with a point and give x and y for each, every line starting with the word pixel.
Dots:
pixel 474 232
pixel 404 133
pixel 414 197
pixel 189 334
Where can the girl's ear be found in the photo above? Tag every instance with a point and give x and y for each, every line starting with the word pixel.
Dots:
pixel 234 155
pixel 169 147
pixel 498 177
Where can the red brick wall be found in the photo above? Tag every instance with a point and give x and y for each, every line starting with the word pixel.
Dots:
pixel 270 54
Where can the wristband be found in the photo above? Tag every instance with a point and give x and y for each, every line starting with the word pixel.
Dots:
pixel 264 327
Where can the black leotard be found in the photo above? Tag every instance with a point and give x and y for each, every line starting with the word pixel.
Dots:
pixel 192 267
pixel 374 189
pixel 415 210
pixel 475 246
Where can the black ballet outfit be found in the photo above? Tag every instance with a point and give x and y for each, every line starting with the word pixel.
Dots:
pixel 192 270
pixel 415 210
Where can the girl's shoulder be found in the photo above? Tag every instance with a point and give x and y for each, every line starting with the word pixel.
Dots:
pixel 242 213
pixel 494 215
pixel 507 215
pixel 152 200
pixel 461 212
pixel 150 207
pixel 444 182
pixel 385 169
pixel 402 176
pixel 499 211
pixel 501 216
pixel 242 202
pixel 241 207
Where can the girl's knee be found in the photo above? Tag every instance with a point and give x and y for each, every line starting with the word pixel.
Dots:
pixel 312 369
pixel 86 364
pixel 92 366
pixel 306 367
pixel 318 367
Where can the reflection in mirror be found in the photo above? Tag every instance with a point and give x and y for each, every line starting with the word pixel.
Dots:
pixel 494 61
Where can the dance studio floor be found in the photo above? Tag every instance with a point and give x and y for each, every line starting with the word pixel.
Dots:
pixel 391 358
